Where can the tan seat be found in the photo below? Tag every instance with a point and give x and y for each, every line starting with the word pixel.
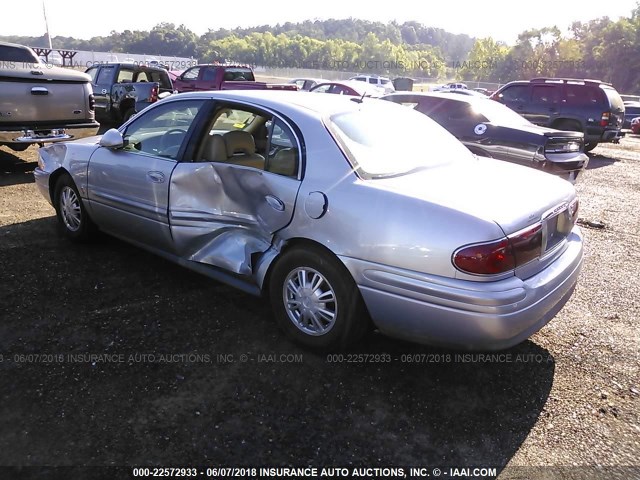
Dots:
pixel 284 163
pixel 241 149
pixel 215 149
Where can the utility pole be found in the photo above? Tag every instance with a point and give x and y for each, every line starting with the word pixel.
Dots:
pixel 46 24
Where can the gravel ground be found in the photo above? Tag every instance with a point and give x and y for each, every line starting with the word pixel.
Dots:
pixel 189 371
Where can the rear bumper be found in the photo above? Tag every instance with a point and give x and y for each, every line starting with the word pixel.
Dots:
pixel 29 135
pixel 465 314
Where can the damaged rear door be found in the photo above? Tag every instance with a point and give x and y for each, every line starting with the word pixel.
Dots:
pixel 226 204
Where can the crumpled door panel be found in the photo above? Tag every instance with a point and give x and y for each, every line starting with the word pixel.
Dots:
pixel 220 214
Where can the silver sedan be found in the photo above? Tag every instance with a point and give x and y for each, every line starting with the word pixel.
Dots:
pixel 345 212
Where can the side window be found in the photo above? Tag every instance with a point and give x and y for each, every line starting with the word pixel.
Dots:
pixel 373 81
pixel 191 74
pixel 142 77
pixel 283 156
pixel 545 95
pixel 209 75
pixel 360 79
pixel 234 136
pixel 322 88
pixel 580 95
pixel 162 130
pixel 105 77
pixel 93 73
pixel 515 94
pixel 125 76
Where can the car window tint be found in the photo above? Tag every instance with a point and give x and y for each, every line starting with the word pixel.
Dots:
pixel 283 157
pixel 322 88
pixel 232 119
pixel 545 95
pixel 373 81
pixel 191 74
pixel 92 72
pixel 209 75
pixel 124 76
pixel 105 76
pixel 161 131
pixel 581 95
pixel 17 54
pixel 515 93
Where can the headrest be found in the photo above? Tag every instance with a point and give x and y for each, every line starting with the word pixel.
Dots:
pixel 216 149
pixel 238 141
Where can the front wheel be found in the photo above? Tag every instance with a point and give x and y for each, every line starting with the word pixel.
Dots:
pixel 73 219
pixel 590 146
pixel 315 300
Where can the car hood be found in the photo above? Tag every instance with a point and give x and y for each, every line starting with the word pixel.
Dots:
pixel 38 72
pixel 510 195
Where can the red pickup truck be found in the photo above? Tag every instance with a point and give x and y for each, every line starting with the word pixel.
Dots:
pixel 222 77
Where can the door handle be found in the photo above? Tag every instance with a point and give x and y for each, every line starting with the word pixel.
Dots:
pixel 156 177
pixel 275 202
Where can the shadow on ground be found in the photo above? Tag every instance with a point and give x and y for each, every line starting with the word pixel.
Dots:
pixel 597 160
pixel 13 170
pixel 188 371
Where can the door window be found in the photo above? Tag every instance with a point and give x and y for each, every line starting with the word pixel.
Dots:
pixel 515 94
pixel 161 131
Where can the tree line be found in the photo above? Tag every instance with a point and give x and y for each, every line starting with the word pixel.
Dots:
pixel 601 48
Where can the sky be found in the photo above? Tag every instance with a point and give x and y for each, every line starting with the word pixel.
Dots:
pixel 501 19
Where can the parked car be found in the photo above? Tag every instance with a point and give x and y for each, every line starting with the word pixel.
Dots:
pixel 631 111
pixel 307 83
pixel 223 77
pixel 588 106
pixel 635 126
pixel 376 80
pixel 41 103
pixel 350 88
pixel 450 86
pixel 124 89
pixel 336 215
pixel 492 130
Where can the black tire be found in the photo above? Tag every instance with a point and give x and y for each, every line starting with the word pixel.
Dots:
pixel 590 146
pixel 323 271
pixel 73 220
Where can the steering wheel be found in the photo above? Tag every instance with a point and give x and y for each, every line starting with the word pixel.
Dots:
pixel 169 146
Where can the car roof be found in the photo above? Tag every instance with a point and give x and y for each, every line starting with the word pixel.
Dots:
pixel 280 100
pixel 444 95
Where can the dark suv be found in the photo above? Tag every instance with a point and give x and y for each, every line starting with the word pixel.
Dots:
pixel 589 106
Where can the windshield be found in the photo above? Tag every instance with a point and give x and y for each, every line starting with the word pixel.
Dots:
pixel 382 139
pixel 497 113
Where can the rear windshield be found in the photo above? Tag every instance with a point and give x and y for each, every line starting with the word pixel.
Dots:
pixel 614 98
pixel 383 139
pixel 234 74
pixel 17 54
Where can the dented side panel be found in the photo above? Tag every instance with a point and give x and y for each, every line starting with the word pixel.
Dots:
pixel 221 214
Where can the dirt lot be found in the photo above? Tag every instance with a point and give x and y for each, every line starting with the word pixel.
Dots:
pixel 112 356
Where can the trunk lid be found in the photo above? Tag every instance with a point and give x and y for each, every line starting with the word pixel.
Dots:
pixel 512 196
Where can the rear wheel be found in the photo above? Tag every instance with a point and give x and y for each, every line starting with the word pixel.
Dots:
pixel 315 300
pixel 73 219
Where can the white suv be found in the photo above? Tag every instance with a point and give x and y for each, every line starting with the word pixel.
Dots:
pixel 376 80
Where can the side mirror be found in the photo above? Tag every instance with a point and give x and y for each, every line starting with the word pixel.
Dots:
pixel 112 138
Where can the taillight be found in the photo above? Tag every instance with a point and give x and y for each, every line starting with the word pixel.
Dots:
pixel 501 255
pixel 92 102
pixel 604 121
pixel 153 95
pixel 486 258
